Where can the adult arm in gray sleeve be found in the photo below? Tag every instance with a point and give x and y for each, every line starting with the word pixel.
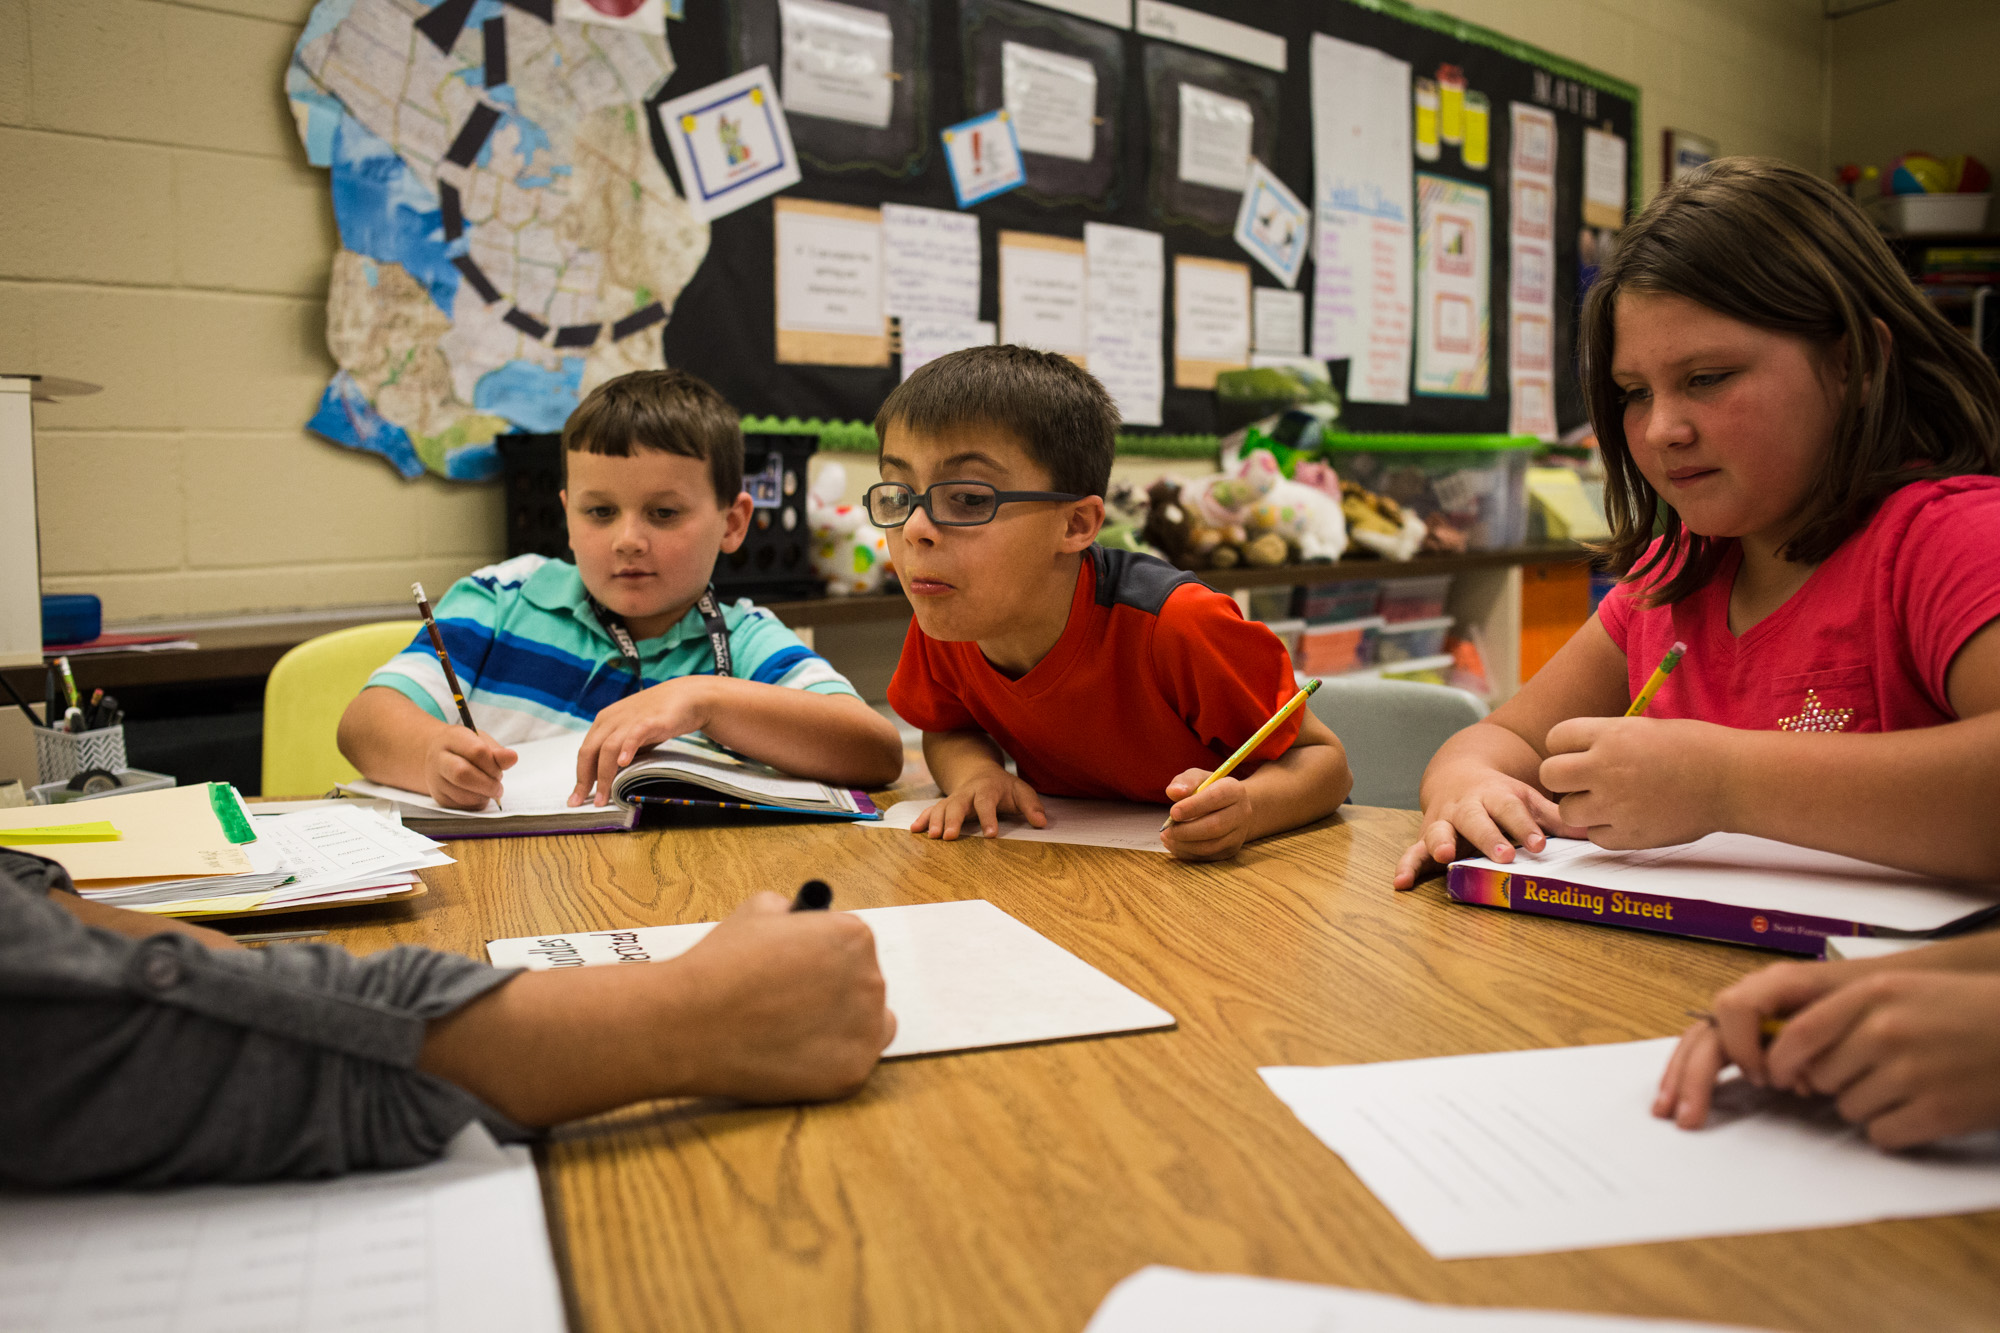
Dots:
pixel 157 1061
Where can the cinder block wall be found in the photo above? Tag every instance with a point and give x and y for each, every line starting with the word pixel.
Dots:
pixel 161 234
pixel 1917 74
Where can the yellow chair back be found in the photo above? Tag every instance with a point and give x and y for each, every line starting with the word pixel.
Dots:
pixel 308 690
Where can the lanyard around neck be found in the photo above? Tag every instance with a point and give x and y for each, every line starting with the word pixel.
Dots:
pixel 711 621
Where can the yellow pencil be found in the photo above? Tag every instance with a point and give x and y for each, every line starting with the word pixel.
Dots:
pixel 1659 678
pixel 1249 746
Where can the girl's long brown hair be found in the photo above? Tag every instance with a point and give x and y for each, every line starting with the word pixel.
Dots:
pixel 1778 248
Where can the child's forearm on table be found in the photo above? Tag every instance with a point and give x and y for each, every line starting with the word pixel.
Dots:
pixel 1918 800
pixel 832 738
pixel 954 757
pixel 387 737
pixel 1307 782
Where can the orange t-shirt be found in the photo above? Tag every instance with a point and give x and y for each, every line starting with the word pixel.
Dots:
pixel 1155 674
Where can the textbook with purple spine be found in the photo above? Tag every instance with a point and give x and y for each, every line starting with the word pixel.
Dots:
pixel 1729 887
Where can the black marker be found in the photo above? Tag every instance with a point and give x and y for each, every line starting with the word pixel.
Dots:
pixel 814 896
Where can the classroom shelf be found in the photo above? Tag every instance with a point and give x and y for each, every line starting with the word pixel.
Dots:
pixel 235 651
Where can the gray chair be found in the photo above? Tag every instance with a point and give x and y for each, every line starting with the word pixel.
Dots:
pixel 1391 728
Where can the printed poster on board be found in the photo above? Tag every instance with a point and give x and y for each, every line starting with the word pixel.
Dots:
pixel 1363 247
pixel 1453 328
pixel 730 142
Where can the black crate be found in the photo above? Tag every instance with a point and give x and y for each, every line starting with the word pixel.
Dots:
pixel 775 559
pixel 531 469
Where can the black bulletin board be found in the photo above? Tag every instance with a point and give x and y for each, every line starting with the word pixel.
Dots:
pixel 722 326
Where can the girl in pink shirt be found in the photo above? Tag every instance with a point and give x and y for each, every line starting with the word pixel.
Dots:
pixel 1801 460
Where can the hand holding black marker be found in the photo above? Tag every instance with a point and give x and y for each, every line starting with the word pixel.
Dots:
pixel 814 896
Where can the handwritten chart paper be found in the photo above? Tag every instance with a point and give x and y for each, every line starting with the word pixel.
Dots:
pixel 1125 309
pixel 1361 176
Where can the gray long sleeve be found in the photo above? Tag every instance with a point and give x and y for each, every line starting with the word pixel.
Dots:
pixel 159 1061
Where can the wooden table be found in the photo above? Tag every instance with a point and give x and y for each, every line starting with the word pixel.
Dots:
pixel 1009 1189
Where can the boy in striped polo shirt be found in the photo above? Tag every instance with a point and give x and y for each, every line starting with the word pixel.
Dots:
pixel 629 644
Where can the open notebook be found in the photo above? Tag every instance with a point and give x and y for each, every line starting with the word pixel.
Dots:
pixel 690 773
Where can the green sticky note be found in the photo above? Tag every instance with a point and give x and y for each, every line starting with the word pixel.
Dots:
pixel 228 807
pixel 99 831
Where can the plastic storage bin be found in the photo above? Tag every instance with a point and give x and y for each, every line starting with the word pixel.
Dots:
pixel 1412 639
pixel 1325 603
pixel 1274 603
pixel 1475 484
pixel 129 780
pixel 1414 599
pixel 1289 633
pixel 1328 650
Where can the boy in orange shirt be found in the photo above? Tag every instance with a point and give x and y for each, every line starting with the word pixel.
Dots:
pixel 1102 674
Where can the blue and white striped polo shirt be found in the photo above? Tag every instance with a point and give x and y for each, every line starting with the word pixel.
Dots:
pixel 534 660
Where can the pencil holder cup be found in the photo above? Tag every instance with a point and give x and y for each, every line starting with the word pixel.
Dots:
pixel 61 755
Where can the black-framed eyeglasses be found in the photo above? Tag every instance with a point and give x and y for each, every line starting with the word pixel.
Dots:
pixel 950 504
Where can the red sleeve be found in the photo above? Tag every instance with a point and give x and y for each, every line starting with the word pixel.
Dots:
pixel 1947 579
pixel 1225 675
pixel 919 697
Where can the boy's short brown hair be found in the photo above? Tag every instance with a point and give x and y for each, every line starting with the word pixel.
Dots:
pixel 667 410
pixel 1058 410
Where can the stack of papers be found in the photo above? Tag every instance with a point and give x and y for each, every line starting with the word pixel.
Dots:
pixel 193 851
pixel 330 853
pixel 459 1244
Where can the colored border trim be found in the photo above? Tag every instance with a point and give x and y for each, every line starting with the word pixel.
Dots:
pixel 1409 443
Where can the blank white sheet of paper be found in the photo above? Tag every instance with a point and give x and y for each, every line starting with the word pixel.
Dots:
pixel 1053 100
pixel 1157 1299
pixel 1529 1152
pixel 961 976
pixel 1125 825
pixel 459 1244
pixel 837 61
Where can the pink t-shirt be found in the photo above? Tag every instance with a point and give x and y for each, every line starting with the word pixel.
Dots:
pixel 1863 646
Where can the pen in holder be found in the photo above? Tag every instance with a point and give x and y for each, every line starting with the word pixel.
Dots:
pixel 61 755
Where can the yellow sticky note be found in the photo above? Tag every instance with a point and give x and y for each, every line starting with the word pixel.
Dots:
pixel 1566 505
pixel 100 831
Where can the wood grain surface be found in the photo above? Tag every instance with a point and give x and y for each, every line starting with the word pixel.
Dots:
pixel 1009 1189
